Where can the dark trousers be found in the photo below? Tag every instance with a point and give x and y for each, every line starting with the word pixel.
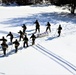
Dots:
pixel 33 41
pixel 24 30
pixel 16 49
pixel 4 51
pixel 48 28
pixel 59 32
pixel 20 38
pixel 11 40
pixel 37 29
pixel 25 43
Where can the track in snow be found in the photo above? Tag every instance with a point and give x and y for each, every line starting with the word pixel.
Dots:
pixel 67 65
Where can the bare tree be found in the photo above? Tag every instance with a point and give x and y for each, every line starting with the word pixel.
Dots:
pixel 70 3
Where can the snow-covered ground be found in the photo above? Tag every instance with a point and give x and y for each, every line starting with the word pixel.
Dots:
pixel 51 55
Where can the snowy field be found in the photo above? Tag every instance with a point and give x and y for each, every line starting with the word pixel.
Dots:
pixel 51 55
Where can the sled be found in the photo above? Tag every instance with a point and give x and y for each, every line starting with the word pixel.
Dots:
pixel 39 35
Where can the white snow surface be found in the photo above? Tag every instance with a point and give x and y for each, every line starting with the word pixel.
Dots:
pixel 51 55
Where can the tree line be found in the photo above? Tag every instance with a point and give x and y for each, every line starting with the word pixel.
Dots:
pixel 70 3
pixel 22 2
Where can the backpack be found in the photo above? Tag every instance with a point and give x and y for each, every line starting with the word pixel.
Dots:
pixel 17 44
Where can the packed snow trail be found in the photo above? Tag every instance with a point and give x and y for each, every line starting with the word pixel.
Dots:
pixel 67 65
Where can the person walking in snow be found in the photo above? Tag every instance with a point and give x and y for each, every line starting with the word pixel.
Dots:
pixel 24 28
pixel 4 47
pixel 16 45
pixel 59 30
pixel 48 27
pixel 11 36
pixel 33 39
pixel 3 39
pixel 37 26
pixel 25 41
pixel 21 35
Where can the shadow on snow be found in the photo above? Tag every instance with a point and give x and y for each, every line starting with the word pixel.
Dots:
pixel 51 38
pixel 42 17
pixel 11 52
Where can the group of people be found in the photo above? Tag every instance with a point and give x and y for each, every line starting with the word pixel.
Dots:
pixel 23 36
pixel 38 26
pixel 48 27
